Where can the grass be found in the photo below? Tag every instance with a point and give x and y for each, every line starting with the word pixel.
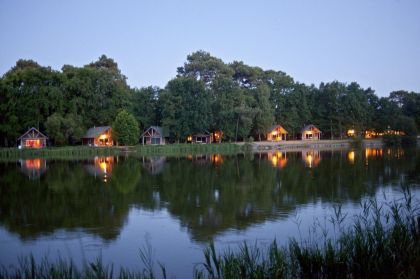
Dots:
pixel 76 152
pixel 383 241
pixel 68 152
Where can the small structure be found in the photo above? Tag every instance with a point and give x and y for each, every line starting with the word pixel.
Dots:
pixel 310 132
pixel 351 133
pixel 98 136
pixel 276 133
pixel 153 135
pixel 216 136
pixel 32 139
pixel 200 138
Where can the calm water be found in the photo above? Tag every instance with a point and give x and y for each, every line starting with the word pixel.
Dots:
pixel 110 207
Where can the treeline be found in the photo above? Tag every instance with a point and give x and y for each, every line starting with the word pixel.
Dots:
pixel 206 95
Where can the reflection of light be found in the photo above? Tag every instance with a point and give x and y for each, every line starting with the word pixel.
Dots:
pixel 350 156
pixel 277 159
pixel 309 160
pixel 33 164
pixel 217 159
pixel 103 166
pixel 274 161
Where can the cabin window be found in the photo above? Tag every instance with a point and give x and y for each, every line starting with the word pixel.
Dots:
pixel 155 140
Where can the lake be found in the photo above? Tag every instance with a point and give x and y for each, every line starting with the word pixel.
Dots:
pixel 110 207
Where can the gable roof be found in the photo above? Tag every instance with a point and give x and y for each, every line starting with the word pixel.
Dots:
pixel 275 127
pixel 159 130
pixel 33 133
pixel 311 127
pixel 96 131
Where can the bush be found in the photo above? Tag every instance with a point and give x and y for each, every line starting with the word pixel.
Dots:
pixel 125 129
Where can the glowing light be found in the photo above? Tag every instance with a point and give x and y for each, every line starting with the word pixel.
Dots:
pixel 33 164
pixel 351 156
pixel 189 138
pixel 350 132
pixel 103 136
pixel 274 133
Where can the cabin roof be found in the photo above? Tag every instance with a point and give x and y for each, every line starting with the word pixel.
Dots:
pixel 202 134
pixel 33 133
pixel 275 127
pixel 158 129
pixel 96 131
pixel 311 127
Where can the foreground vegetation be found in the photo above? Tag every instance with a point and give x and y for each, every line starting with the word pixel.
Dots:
pixel 382 242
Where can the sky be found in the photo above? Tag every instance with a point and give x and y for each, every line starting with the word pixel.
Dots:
pixel 373 42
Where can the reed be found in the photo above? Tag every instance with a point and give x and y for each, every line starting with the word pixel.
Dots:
pixel 382 242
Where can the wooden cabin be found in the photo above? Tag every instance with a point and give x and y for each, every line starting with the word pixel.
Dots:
pixel 200 138
pixel 153 135
pixel 32 139
pixel 351 133
pixel 98 136
pixel 276 133
pixel 216 136
pixel 310 132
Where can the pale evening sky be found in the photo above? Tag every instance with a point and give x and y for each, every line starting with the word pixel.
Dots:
pixel 373 42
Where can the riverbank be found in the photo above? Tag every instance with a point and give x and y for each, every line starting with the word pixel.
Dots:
pixel 296 145
pixel 77 152
pixel 70 152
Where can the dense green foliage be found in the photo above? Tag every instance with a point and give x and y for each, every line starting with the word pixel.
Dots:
pixel 125 129
pixel 206 95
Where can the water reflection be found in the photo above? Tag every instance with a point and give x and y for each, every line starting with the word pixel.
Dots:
pixel 350 156
pixel 278 159
pixel 154 165
pixel 311 158
pixel 33 168
pixel 100 167
pixel 206 194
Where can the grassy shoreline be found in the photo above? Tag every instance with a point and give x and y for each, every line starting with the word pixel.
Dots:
pixel 74 152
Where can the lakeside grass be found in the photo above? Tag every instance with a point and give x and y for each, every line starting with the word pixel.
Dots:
pixel 81 152
pixel 383 241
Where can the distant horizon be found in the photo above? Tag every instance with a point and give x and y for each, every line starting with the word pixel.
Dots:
pixel 372 43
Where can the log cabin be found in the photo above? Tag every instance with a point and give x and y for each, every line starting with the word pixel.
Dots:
pixel 310 132
pixel 276 133
pixel 32 139
pixel 98 136
pixel 154 135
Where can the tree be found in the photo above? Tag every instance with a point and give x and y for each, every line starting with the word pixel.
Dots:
pixel 125 129
pixel 186 107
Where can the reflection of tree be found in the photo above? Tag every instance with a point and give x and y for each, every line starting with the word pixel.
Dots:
pixel 208 198
pixel 66 197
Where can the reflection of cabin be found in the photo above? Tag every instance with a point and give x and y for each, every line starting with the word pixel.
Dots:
pixel 311 158
pixel 33 168
pixel 153 135
pixel 276 133
pixel 101 167
pixel 32 139
pixel 278 159
pixel 310 132
pixel 98 136
pixel 154 165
